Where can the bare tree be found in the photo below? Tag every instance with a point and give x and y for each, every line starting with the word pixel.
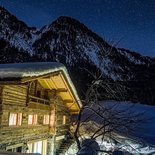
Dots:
pixel 104 120
pixel 98 119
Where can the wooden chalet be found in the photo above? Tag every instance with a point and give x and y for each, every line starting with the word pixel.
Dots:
pixel 36 103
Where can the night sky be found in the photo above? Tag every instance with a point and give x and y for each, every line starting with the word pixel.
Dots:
pixel 129 22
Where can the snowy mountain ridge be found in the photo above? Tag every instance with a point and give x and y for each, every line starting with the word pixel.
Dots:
pixel 70 42
pixel 16 32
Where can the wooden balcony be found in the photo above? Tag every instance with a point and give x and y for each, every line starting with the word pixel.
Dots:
pixel 38 100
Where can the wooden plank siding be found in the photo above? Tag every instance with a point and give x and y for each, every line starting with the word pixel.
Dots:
pixel 23 99
pixel 13 99
pixel 61 110
pixel 1 96
pixel 23 133
pixel 14 95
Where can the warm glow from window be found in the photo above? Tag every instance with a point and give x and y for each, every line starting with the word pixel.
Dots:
pixel 15 119
pixel 38 147
pixel 64 120
pixel 32 119
pixel 46 119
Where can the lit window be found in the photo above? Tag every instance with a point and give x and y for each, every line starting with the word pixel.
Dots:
pixel 46 119
pixel 64 120
pixel 32 119
pixel 15 119
pixel 38 147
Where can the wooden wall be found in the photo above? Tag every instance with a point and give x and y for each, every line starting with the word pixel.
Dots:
pixel 61 110
pixel 14 95
pixel 14 98
pixel 35 88
pixel 1 89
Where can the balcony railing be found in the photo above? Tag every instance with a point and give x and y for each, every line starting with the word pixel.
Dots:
pixel 38 100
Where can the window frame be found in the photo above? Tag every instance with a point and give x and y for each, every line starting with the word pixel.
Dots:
pixel 17 119
pixel 34 119
pixel 64 120
pixel 33 146
pixel 46 119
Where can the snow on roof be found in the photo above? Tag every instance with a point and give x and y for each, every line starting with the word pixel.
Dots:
pixel 34 69
pixel 19 70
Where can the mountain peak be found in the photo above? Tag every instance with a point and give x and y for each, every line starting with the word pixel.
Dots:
pixel 3 9
pixel 15 31
pixel 68 20
pixel 65 21
pixel 4 13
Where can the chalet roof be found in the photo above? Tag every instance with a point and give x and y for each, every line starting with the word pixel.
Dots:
pixel 20 70
pixel 44 72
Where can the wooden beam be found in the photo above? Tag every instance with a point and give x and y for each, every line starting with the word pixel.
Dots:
pixel 48 85
pixel 59 90
pixel 53 83
pixel 26 79
pixel 68 101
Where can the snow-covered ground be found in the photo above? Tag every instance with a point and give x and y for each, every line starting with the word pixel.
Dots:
pixel 145 130
pixel 141 141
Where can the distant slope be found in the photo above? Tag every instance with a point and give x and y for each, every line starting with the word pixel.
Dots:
pixel 140 139
pixel 16 32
